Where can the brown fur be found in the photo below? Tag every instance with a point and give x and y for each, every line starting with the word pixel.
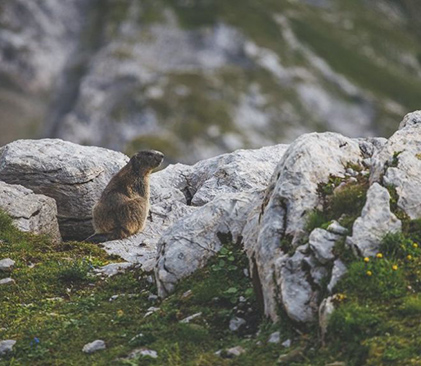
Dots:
pixel 124 205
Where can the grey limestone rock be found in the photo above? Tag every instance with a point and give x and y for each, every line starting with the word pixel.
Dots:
pixel 236 323
pixel 375 222
pixel 322 242
pixel 6 264
pixel 6 346
pixel 290 196
pixel 73 175
pixel 30 212
pixel 235 351
pixel 94 346
pixel 7 281
pixel 338 270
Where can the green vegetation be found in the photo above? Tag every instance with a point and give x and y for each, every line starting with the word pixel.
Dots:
pixel 58 304
pixel 343 200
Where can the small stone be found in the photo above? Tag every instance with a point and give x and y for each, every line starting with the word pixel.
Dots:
pixel 150 311
pixel 236 323
pixel 153 298
pixel 235 351
pixel 286 344
pixel 337 228
pixel 114 268
pixel 275 337
pixel 150 279
pixel 190 318
pixel 149 353
pixel 114 297
pixel 6 346
pixel 6 264
pixel 339 269
pixel 242 299
pixel 7 281
pixel 187 294
pixel 218 353
pixel 94 346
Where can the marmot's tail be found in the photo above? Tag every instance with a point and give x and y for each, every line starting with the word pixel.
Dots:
pixel 97 238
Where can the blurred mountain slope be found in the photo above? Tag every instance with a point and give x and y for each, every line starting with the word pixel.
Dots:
pixel 197 78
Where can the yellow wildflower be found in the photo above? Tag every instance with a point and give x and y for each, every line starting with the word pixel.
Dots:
pixel 379 255
pixel 394 267
pixel 120 313
pixel 366 259
pixel 369 273
pixel 415 245
pixel 409 257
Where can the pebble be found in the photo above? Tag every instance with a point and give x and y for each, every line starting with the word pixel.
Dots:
pixel 236 323
pixel 7 281
pixel 94 346
pixel 6 264
pixel 153 298
pixel 235 351
pixel 6 346
pixel 150 311
pixel 275 337
pixel 287 343
pixel 190 318
pixel 187 294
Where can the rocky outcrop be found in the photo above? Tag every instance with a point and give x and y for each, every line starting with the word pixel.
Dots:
pixel 30 212
pixel 190 205
pixel 73 175
pixel 262 199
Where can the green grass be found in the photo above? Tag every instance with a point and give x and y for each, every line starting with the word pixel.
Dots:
pixel 58 305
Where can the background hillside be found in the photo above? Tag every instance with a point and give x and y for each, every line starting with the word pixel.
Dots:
pixel 195 78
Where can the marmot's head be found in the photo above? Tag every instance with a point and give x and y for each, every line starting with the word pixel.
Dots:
pixel 146 160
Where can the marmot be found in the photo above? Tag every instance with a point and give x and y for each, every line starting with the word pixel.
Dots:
pixel 124 205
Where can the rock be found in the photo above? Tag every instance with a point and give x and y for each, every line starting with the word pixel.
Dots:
pixel 286 343
pixel 113 298
pixel 153 298
pixel 73 175
pixel 336 228
pixel 112 269
pixel 236 323
pixel 187 294
pixel 275 337
pixel 293 193
pixel 6 346
pixel 94 346
pixel 190 318
pixel 226 188
pixel 235 351
pixel 30 212
pixel 327 307
pixel 375 222
pixel 338 270
pixel 298 298
pixel 148 353
pixel 322 243
pixel 6 264
pixel 7 281
pixel 150 311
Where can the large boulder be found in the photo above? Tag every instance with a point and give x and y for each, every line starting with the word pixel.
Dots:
pixel 30 212
pixel 190 205
pixel 73 175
